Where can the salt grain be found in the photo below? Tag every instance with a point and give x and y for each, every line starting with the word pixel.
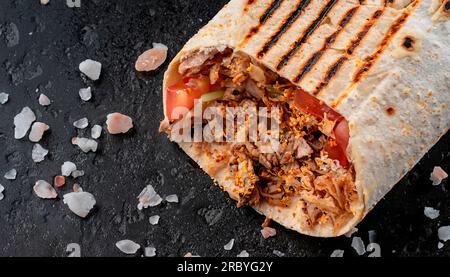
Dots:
pixel 440 245
pixel 2 189
pixel 59 181
pixel 44 100
pixel 37 131
pixel 153 58
pixel 268 232
pixel 431 212
pixel 338 253
pixel 229 245
pixel 4 97
pixel 11 175
pixel 86 145
pixel 96 131
pixel 173 198
pixel 444 233
pixel 128 246
pixel 148 198
pixel 278 253
pixel 91 68
pixel 154 219
pixel 44 190
pixel 22 122
pixel 38 153
pixel 358 245
pixel 150 252
pixel 438 175
pixel 67 168
pixel 44 2
pixel 77 173
pixel 243 254
pixel 80 203
pixel 118 123
pixel 85 94
pixel 81 123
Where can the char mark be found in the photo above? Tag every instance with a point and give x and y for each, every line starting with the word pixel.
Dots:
pixel 287 24
pixel 362 34
pixel 328 42
pixel 249 4
pixel 332 71
pixel 309 31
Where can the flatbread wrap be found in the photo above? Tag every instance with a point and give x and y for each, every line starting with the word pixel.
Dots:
pixel 361 90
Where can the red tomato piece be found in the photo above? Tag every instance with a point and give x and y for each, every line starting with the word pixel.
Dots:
pixel 311 105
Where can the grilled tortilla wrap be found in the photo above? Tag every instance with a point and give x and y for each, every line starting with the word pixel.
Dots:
pixel 383 65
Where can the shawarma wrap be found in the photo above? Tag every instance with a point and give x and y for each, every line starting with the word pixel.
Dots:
pixel 363 90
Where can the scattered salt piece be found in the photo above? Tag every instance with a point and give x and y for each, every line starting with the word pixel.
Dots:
pixel 438 175
pixel 431 212
pixel 77 188
pixel 243 254
pixel 351 232
pixel 91 68
pixel 81 123
pixel 11 175
pixel 77 173
pixel 148 198
pixel 173 198
pixel 128 246
pixel 37 131
pixel 4 97
pixel 80 203
pixel 22 122
pixel 44 100
pixel 44 190
pixel 229 245
pixel 190 255
pixel 59 181
pixel 338 253
pixel 150 251
pixel 358 245
pixel 268 232
pixel 85 144
pixel 278 253
pixel 152 58
pixel 67 168
pixel 85 94
pixel 118 123
pixel 444 233
pixel 96 131
pixel 440 244
pixel 38 153
pixel 44 2
pixel 2 189
pixel 154 219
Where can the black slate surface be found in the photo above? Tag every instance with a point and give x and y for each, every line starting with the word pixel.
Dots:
pixel 52 41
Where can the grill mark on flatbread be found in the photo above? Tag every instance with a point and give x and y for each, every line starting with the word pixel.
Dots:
pixel 268 13
pixel 293 16
pixel 355 43
pixel 329 41
pixel 249 4
pixel 309 31
pixel 370 60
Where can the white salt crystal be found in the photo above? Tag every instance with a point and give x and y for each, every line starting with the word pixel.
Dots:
pixel 431 212
pixel 4 97
pixel 173 198
pixel 358 245
pixel 22 122
pixel 278 253
pixel 229 245
pixel 243 254
pixel 128 246
pixel 268 232
pixel 38 154
pixel 338 253
pixel 44 190
pixel 440 245
pixel 148 198
pixel 44 2
pixel 150 252
pixel 81 123
pixel 91 68
pixel 37 131
pixel 118 123
pixel 11 175
pixel 2 189
pixel 44 100
pixel 154 219
pixel 80 203
pixel 85 144
pixel 96 131
pixel 444 233
pixel 85 94
pixel 77 173
pixel 67 168
pixel 438 175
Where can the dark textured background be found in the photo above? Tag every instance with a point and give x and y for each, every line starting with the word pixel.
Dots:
pixel 115 32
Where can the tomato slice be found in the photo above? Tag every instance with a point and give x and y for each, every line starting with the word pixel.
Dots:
pixel 311 105
pixel 180 97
